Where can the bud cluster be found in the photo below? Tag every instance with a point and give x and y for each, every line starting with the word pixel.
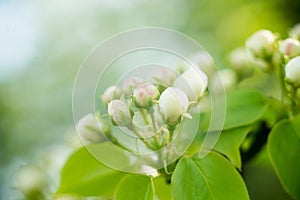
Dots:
pixel 269 52
pixel 152 109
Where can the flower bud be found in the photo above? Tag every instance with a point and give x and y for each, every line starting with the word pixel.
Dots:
pixel 292 71
pixel 193 82
pixel 173 103
pixel 164 76
pixel 290 47
pixel 225 78
pixel 112 92
pixel 241 61
pixel 144 95
pixel 90 129
pixel 131 83
pixel 30 180
pixel 119 113
pixel 204 61
pixel 295 32
pixel 261 44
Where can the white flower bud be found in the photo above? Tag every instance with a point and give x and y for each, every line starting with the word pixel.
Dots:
pixel 30 179
pixel 164 76
pixel 290 47
pixel 241 61
pixel 292 71
pixel 193 82
pixel 90 129
pixel 144 95
pixel 119 113
pixel 225 78
pixel 111 93
pixel 204 61
pixel 261 43
pixel 173 103
pixel 131 83
pixel 295 31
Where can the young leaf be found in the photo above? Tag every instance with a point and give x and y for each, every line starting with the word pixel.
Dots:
pixel 134 187
pixel 284 151
pixel 85 176
pixel 212 177
pixel 229 144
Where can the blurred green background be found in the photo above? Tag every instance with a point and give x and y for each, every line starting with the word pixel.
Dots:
pixel 43 43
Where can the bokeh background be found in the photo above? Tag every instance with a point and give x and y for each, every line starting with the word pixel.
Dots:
pixel 43 43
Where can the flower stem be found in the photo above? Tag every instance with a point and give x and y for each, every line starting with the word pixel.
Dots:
pixel 285 98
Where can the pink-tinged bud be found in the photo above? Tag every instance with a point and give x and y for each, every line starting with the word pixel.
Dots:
pixel 261 43
pixel 193 82
pixel 111 93
pixel 173 103
pixel 290 47
pixel 119 113
pixel 131 83
pixel 164 76
pixel 144 95
pixel 292 71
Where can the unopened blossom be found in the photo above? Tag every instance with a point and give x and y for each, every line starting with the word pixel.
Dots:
pixel 144 95
pixel 261 43
pixel 164 76
pixel 119 113
pixel 173 103
pixel 111 93
pixel 131 83
pixel 90 129
pixel 224 79
pixel 295 32
pixel 204 61
pixel 30 180
pixel 290 47
pixel 292 71
pixel 193 82
pixel 241 61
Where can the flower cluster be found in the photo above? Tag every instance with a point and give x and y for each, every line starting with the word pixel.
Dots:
pixel 152 110
pixel 269 52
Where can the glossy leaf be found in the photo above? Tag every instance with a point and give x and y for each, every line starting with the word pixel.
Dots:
pixel 85 176
pixel 284 151
pixel 136 187
pixel 229 144
pixel 162 188
pixel 243 107
pixel 212 177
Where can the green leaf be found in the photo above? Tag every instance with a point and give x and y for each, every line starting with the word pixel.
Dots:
pixel 243 107
pixel 211 177
pixel 162 188
pixel 136 187
pixel 85 176
pixel 284 151
pixel 229 144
